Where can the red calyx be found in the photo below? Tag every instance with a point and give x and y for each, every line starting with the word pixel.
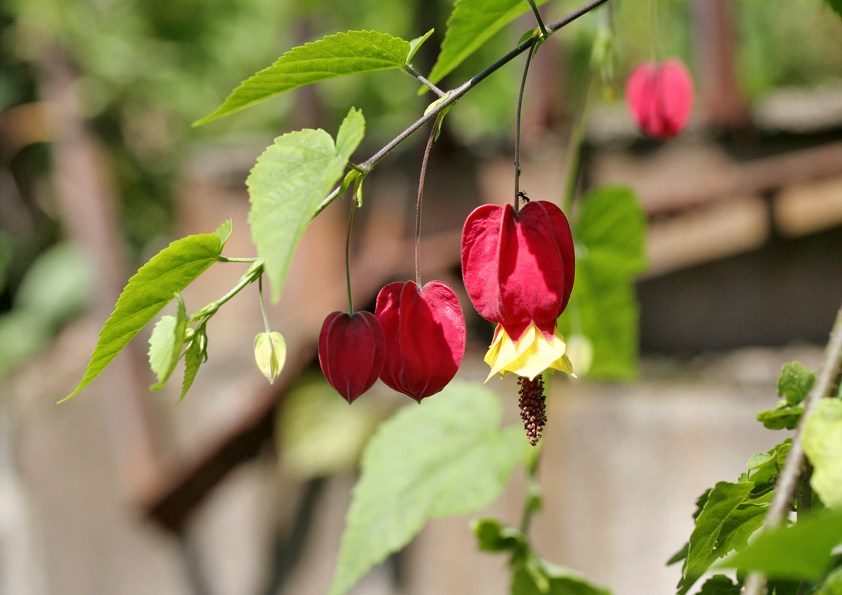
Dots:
pixel 518 268
pixel 351 352
pixel 660 98
pixel 425 336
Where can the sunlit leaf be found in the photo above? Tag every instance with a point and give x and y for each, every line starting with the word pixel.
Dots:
pixel 800 552
pixel 444 457
pixel 148 291
pixel 470 25
pixel 193 358
pixel 333 56
pixel 795 382
pixel 415 44
pixel 290 180
pixel 557 580
pixel 165 344
pixel 823 446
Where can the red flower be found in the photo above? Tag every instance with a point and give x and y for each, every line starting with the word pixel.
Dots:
pixel 660 98
pixel 518 267
pixel 351 352
pixel 425 337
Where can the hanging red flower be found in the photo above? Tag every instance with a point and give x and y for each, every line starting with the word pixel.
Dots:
pixel 351 352
pixel 518 270
pixel 660 98
pixel 425 336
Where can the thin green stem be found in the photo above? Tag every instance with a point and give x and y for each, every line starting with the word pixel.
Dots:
pixel 229 259
pixel 517 125
pixel 456 94
pixel 418 204
pixel 348 257
pixel 533 501
pixel 250 277
pixel 544 32
pixel 262 303
pixel 423 80
pixel 656 30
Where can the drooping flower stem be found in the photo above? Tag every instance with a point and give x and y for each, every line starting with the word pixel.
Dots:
pixel 657 54
pixel 517 131
pixel 430 140
pixel 533 407
pixel 348 256
pixel 262 303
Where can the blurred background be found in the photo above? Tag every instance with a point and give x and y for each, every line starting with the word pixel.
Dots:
pixel 242 488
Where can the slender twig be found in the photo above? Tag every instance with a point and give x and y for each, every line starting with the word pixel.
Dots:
pixel 517 125
pixel 457 93
pixel 418 204
pixel 532 504
pixel 421 78
pixel 348 256
pixel 780 504
pixel 541 25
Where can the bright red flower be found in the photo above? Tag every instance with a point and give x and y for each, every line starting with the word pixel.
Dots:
pixel 351 352
pixel 425 336
pixel 518 267
pixel 660 98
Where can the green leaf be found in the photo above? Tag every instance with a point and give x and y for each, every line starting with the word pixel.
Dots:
pixel 333 56
pixel 833 584
pixel 795 382
pixel 148 291
pixel 494 536
pixel 679 555
pixel 559 581
pixel 611 225
pixel 823 446
pixel 719 584
pixel 800 552
pixel 765 466
pixel 223 233
pixel 165 344
pixel 470 25
pixel 290 180
pixel 782 416
pixel 416 44
pixel 195 354
pixel 610 235
pixel 722 501
pixel 444 457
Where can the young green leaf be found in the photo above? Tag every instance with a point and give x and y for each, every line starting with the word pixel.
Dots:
pixel 195 354
pixel 493 536
pixel 333 56
pixel 800 552
pixel 165 344
pixel 782 416
pixel 823 446
pixel 415 44
pixel 148 291
pixel 722 501
pixel 444 457
pixel 833 584
pixel 559 581
pixel 795 382
pixel 288 183
pixel 470 25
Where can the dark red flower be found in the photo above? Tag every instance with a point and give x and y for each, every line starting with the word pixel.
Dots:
pixel 351 352
pixel 660 98
pixel 425 336
pixel 518 267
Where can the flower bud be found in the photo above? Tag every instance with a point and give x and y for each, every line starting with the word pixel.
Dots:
pixel 425 337
pixel 660 98
pixel 351 352
pixel 270 352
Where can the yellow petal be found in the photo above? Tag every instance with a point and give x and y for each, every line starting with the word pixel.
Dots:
pixel 531 355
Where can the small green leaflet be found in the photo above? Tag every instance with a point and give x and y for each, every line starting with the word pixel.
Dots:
pixel 823 446
pixel 289 182
pixel 194 356
pixel 165 344
pixel 442 458
pixel 719 584
pixel 610 233
pixel 333 56
pixel 795 382
pixel 416 44
pixel 722 501
pixel 470 25
pixel 149 290
pixel 801 551
pixel 555 580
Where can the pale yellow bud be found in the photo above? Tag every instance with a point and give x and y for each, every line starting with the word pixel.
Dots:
pixel 270 352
